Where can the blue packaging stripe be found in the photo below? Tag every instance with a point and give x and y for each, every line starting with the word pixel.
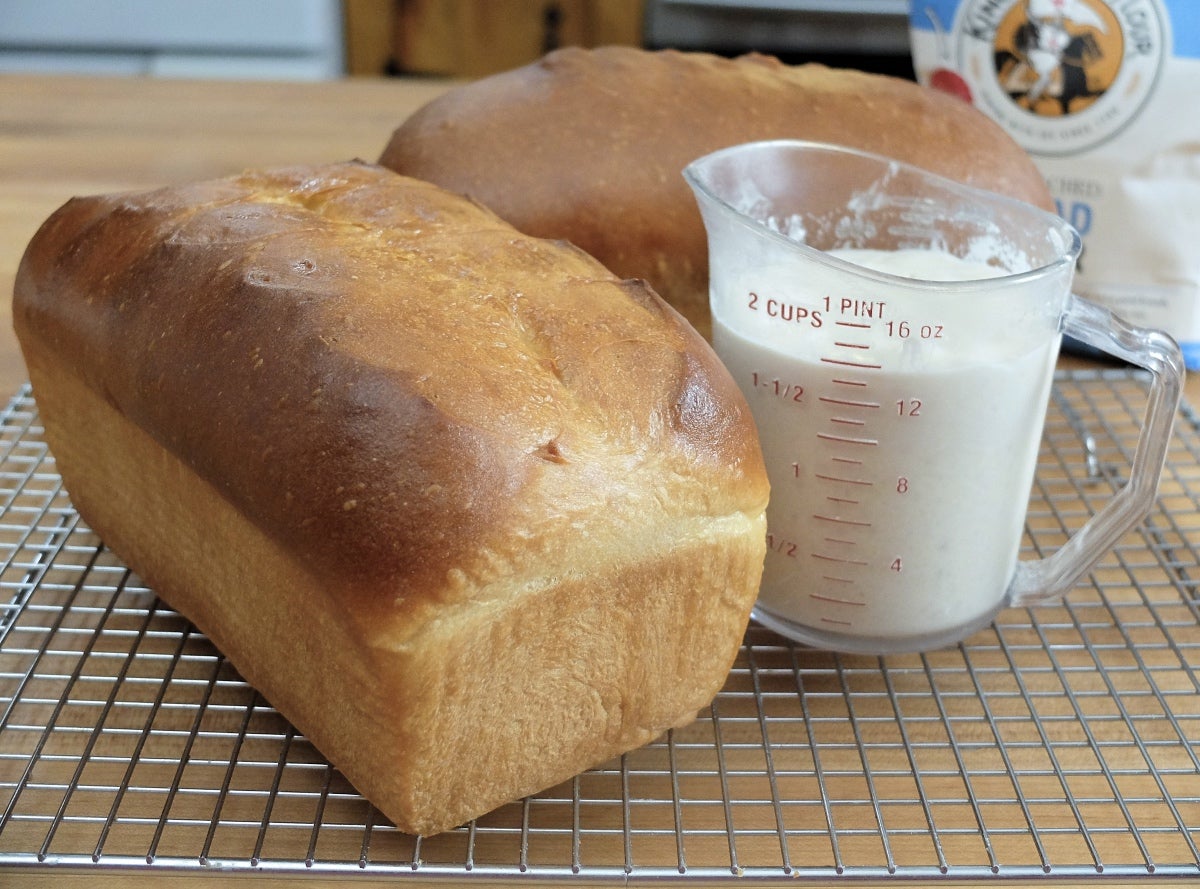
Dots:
pixel 1185 25
pixel 923 13
pixel 1191 355
pixel 934 15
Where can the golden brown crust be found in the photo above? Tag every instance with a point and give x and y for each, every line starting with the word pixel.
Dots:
pixel 589 146
pixel 436 447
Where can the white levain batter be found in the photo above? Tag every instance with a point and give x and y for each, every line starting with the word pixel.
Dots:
pixel 899 487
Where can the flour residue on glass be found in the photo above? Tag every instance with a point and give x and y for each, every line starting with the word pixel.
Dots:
pixel 920 264
pixel 916 229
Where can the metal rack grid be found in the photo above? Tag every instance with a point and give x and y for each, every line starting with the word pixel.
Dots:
pixel 1062 741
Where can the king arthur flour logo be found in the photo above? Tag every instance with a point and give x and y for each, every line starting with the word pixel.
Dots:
pixel 1061 75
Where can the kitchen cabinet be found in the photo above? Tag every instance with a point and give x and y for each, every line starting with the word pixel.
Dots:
pixel 472 38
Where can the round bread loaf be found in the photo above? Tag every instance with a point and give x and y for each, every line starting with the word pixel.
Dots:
pixel 589 146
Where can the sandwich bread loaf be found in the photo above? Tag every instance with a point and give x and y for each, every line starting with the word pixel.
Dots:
pixel 471 512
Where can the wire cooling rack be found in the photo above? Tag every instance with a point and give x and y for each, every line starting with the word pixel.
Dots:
pixel 1062 741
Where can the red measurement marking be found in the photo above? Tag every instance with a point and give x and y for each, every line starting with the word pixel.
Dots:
pixel 847 460
pixel 842 439
pixel 846 580
pixel 848 402
pixel 835 600
pixel 835 520
pixel 851 345
pixel 839 623
pixel 840 540
pixel 857 324
pixel 849 481
pixel 844 382
pixel 825 558
pixel 845 421
pixel 858 364
pixel 845 500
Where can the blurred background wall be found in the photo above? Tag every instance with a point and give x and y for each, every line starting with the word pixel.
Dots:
pixel 322 39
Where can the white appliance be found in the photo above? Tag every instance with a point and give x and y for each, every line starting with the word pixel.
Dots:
pixel 249 39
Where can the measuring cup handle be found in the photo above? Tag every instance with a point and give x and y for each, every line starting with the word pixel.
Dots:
pixel 1048 579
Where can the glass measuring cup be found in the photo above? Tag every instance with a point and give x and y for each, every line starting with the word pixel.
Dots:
pixel 901 411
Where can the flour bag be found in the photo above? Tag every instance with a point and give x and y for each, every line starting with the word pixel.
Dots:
pixel 1105 95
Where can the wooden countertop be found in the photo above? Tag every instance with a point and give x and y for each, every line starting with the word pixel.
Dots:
pixel 65 136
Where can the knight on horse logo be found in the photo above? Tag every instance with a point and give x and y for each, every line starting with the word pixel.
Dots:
pixel 1061 75
pixel 1058 56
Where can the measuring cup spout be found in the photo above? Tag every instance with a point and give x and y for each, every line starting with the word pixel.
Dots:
pixel 734 216
pixel 743 195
